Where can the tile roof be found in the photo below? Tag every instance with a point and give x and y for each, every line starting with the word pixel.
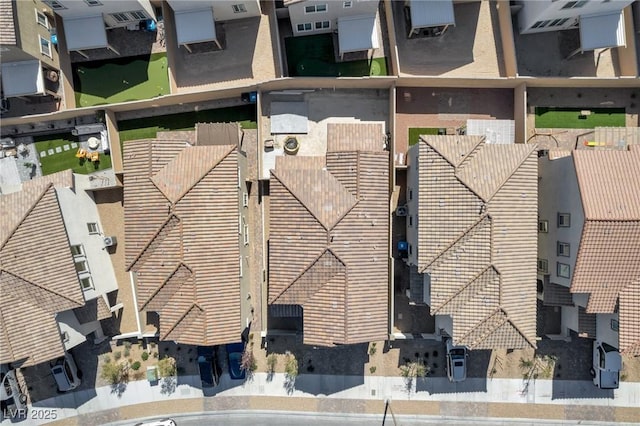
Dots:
pixel 328 244
pixel 608 260
pixel 37 273
pixel 218 134
pixel 181 237
pixel 355 137
pixel 93 310
pixel 557 295
pixel 479 243
pixel 7 23
pixel 586 323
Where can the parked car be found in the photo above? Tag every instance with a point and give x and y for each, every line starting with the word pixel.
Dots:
pixel 607 364
pixel 234 354
pixel 208 365
pixel 456 362
pixel 66 374
pixel 12 401
pixel 163 422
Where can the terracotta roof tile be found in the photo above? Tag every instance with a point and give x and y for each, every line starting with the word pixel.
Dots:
pixel 93 310
pixel 557 295
pixel 629 314
pixel 480 255
pixel 342 137
pixel 7 24
pixel 192 284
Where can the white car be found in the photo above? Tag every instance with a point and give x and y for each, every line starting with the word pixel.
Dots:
pixel 12 400
pixel 456 362
pixel 65 373
pixel 607 364
pixel 163 422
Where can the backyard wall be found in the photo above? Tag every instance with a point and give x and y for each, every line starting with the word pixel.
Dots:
pixel 506 36
pixel 627 58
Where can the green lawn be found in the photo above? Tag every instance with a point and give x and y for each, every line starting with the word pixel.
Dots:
pixel 415 132
pixel 570 118
pixel 313 56
pixel 64 160
pixel 121 80
pixel 146 128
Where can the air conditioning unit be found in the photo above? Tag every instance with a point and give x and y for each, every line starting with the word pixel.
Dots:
pixel 401 211
pixel 110 241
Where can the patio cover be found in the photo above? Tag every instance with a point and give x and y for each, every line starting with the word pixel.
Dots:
pixel 195 26
pixel 289 117
pixel 22 78
pixel 602 31
pixel 357 33
pixel 427 14
pixel 85 33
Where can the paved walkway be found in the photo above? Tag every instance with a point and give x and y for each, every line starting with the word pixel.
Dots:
pixel 499 398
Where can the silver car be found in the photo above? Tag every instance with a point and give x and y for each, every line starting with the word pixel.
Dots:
pixel 456 362
pixel 66 374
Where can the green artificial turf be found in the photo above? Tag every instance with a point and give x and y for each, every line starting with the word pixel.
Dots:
pixel 121 80
pixel 415 132
pixel 570 118
pixel 148 127
pixel 313 56
pixel 64 160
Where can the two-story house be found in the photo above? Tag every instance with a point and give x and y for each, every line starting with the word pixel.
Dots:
pixel 428 16
pixel 56 277
pixel 195 20
pixel 355 22
pixel 186 235
pixel 471 231
pixel 589 243
pixel 601 23
pixel 329 239
pixel 86 22
pixel 30 64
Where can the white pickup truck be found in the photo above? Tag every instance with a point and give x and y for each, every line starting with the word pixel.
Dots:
pixel 607 364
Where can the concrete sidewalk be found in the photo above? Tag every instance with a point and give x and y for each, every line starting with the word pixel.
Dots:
pixel 500 398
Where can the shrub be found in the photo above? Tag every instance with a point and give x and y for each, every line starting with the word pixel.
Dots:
pixel 127 351
pixel 107 359
pixel 167 367
pixel 412 370
pixel 272 361
pixel 117 355
pixel 372 349
pixel 156 354
pixel 115 373
pixel 248 362
pixel 291 366
pixel 145 355
pixel 136 365
pixel 127 345
pixel 372 369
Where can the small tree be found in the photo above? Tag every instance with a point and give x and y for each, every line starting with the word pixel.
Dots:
pixel 115 373
pixel 248 362
pixel 272 361
pixel 291 366
pixel 167 367
pixel 412 370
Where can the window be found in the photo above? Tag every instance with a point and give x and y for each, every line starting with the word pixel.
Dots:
pixel 543 226
pixel 86 283
pixel 138 14
pixel 42 19
pixel 564 220
pixel 347 4
pixel 304 27
pixel 239 178
pixel 315 8
pixel 93 228
pixel 245 199
pixel 246 234
pixel 562 270
pixel 77 250
pixel 410 194
pixel 323 25
pixel 82 266
pixel 54 4
pixel 93 3
pixel 574 4
pixel 410 220
pixel 615 324
pixel 120 17
pixel 240 266
pixel 543 266
pixel 410 249
pixel 238 8
pixel 563 249
pixel 45 46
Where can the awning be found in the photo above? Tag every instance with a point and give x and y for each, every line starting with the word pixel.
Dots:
pixel 85 33
pixel 427 14
pixel 22 78
pixel 602 31
pixel 195 26
pixel 357 33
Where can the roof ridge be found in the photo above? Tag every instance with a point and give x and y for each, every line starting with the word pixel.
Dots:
pixel 27 213
pixel 493 328
pixel 514 325
pixel 481 140
pixel 169 277
pixel 181 318
pixel 458 239
pixel 45 289
pixel 154 237
pixel 532 148
pixel 471 281
pixel 273 171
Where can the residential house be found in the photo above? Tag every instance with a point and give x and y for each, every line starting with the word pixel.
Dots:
pixel 432 18
pixel 55 276
pixel 186 234
pixel 30 64
pixel 329 239
pixel 195 20
pixel 86 22
pixel 601 23
pixel 471 230
pixel 356 22
pixel 589 243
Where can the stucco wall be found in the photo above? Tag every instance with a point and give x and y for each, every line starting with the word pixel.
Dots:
pixel 335 9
